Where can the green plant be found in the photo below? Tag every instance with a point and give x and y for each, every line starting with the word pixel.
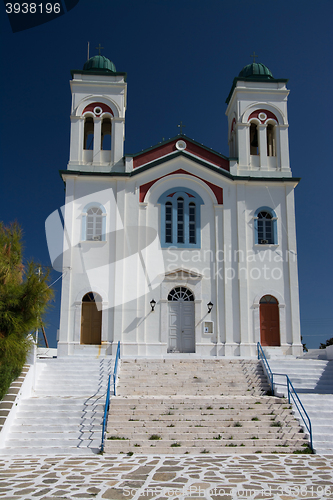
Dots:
pixel 170 425
pixel 209 408
pixel 328 342
pixel 118 438
pixel 204 451
pixel 232 445
pixel 255 419
pixel 258 451
pixel 175 445
pixel 129 453
pixel 24 298
pixel 306 450
pixel 276 424
pixel 155 437
pixel 254 437
pixel 257 403
pixel 238 424
pixel 218 437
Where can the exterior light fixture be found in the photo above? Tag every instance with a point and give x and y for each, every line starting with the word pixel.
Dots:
pixel 152 304
pixel 210 306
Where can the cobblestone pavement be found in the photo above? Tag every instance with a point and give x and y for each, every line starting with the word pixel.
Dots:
pixel 212 477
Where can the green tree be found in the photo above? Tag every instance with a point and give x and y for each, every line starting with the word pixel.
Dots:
pixel 24 297
pixel 328 342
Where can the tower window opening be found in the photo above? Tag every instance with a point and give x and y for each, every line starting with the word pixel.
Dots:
pixel 254 144
pixel 271 147
pixel 94 224
pixel 265 228
pixel 88 140
pixel 106 135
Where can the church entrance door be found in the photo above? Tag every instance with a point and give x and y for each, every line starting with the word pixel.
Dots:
pixel 91 319
pixel 181 336
pixel 269 321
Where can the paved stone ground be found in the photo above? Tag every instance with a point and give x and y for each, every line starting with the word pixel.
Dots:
pixel 140 477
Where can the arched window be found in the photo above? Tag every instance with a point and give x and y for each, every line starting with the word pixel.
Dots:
pixel 271 145
pixel 254 141
pixel 181 293
pixel 106 135
pixel 265 226
pixel 93 222
pixel 180 218
pixel 88 138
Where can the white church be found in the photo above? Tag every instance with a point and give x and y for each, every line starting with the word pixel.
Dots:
pixel 178 249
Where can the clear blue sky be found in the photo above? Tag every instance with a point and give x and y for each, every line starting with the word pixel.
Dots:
pixel 174 52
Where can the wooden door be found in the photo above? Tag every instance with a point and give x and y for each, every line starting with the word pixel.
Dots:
pixel 269 324
pixel 91 324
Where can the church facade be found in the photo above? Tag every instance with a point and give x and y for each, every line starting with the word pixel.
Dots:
pixel 179 250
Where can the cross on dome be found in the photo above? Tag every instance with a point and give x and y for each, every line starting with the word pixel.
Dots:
pixel 99 48
pixel 254 56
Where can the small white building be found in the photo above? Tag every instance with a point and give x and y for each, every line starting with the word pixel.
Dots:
pixel 179 249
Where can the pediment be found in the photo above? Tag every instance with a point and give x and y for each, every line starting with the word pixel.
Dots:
pixel 182 275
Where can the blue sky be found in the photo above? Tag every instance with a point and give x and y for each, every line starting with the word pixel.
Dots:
pixel 174 52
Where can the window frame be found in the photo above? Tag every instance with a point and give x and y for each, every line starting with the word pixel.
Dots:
pixel 85 222
pixel 273 225
pixel 171 196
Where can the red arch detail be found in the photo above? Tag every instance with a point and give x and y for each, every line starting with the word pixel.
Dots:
pixel 93 105
pixel 218 191
pixel 269 114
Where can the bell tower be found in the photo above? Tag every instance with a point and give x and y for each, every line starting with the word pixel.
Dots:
pixel 97 116
pixel 258 123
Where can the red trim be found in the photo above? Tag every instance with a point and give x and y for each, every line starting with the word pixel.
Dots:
pixel 218 191
pixel 269 114
pixel 233 123
pixel 93 105
pixel 170 147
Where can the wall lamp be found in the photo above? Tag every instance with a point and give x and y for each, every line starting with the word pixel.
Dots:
pixel 152 304
pixel 210 306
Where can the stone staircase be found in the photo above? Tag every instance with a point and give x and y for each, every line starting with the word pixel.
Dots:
pixel 65 413
pixel 199 406
pixel 313 381
pixel 8 401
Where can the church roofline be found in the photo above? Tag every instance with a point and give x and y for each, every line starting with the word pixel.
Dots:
pixel 224 173
pixel 99 72
pixel 252 79
pixel 179 137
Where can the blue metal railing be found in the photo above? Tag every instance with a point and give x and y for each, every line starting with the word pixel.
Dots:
pixel 292 394
pixel 108 397
pixel 261 356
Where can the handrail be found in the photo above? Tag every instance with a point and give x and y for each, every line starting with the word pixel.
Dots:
pixel 261 356
pixel 108 397
pixel 291 394
pixel 115 369
pixel 270 375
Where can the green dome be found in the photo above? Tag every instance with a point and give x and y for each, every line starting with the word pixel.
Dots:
pixel 99 63
pixel 255 70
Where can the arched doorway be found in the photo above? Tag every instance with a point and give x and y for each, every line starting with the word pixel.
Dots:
pixel 269 321
pixel 91 319
pixel 181 336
